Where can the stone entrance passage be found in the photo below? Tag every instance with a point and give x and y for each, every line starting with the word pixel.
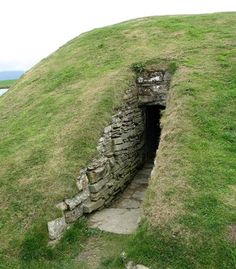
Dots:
pixel 124 214
pixel 124 160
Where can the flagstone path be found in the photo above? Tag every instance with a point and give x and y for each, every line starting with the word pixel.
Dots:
pixel 123 216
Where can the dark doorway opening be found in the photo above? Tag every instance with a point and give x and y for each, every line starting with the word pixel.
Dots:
pixel 153 130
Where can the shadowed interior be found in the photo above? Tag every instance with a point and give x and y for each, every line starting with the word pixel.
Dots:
pixel 153 130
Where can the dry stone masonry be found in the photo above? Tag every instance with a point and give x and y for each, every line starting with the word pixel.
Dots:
pixel 120 152
pixel 153 88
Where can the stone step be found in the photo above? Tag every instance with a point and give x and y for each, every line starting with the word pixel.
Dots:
pixel 144 172
pixel 140 180
pixel 116 220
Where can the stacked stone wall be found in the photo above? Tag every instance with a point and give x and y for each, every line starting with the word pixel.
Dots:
pixel 120 152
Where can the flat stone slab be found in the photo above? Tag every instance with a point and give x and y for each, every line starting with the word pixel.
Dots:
pixel 140 180
pixel 128 204
pixel 116 220
pixel 124 215
pixel 132 265
pixel 139 195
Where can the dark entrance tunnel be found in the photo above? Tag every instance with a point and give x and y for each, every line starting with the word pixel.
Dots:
pixel 153 130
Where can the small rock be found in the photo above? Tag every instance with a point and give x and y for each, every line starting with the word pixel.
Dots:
pixel 140 80
pixel 56 228
pixel 155 79
pixel 107 129
pixel 73 215
pixel 132 265
pixel 167 76
pixel 82 182
pixel 62 206
pixel 156 88
pixel 123 256
pixel 139 266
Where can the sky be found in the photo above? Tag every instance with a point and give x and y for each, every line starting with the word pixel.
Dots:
pixel 33 29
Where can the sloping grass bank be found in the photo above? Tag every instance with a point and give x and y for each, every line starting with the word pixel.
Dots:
pixel 7 83
pixel 53 116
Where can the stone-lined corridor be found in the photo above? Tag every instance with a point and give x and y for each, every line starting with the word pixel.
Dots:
pixel 123 216
pixel 127 143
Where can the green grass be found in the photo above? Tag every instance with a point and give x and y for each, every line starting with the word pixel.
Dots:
pixel 7 83
pixel 53 117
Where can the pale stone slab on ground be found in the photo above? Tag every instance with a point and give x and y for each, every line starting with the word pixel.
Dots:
pixel 116 220
pixel 140 266
pixel 140 180
pixel 132 265
pixel 128 203
pixel 139 195
pixel 124 215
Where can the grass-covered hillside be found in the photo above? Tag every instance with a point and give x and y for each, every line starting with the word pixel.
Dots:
pixel 7 83
pixel 51 120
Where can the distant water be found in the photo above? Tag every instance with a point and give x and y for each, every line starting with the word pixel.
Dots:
pixel 2 91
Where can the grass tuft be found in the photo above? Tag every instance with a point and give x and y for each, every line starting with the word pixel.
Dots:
pixel 34 246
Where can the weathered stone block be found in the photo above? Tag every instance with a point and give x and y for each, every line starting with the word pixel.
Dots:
pixel 167 76
pixel 118 141
pixel 112 161
pixel 116 133
pixel 96 175
pixel 91 206
pixel 109 200
pixel 107 129
pixel 77 200
pixel 101 194
pixel 140 266
pixel 140 80
pixel 56 228
pixel 132 265
pixel 82 182
pixel 97 186
pixel 108 153
pixel 116 125
pixel 121 147
pixel 156 88
pixel 156 78
pixel 97 163
pixel 73 215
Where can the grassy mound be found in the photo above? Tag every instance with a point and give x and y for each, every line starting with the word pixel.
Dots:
pixel 51 119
